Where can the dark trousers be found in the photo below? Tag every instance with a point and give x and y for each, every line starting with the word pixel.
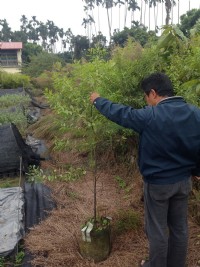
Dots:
pixel 166 223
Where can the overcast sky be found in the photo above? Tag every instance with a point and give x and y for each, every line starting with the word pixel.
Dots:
pixel 69 13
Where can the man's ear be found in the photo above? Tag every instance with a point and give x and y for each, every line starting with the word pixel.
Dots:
pixel 154 94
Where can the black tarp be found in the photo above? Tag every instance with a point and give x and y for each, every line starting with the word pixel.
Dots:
pixel 14 150
pixel 18 91
pixel 38 202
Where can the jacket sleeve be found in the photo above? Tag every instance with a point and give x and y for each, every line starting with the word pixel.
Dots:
pixel 125 116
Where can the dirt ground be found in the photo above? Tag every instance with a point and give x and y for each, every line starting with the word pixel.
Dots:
pixel 54 242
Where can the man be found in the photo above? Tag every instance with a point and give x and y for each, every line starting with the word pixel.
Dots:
pixel 169 154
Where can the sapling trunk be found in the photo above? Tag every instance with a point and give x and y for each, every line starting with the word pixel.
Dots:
pixel 94 165
pixel 95 184
pixel 95 198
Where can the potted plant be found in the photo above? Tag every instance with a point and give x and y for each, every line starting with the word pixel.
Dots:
pixel 95 242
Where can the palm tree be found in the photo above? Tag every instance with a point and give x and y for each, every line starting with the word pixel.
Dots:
pixel 98 3
pixel 125 12
pixel 108 5
pixel 24 22
pixel 168 6
pixel 154 3
pixel 133 6
pixel 119 3
pixel 33 30
pixel 43 33
pixel 162 14
pixel 53 31
pixel 61 35
pixel 85 22
pixel 178 11
pixel 141 9
pixel 90 15
pixel 34 22
pixel 6 33
pixel 68 39
pixel 145 6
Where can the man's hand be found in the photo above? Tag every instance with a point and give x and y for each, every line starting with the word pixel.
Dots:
pixel 93 96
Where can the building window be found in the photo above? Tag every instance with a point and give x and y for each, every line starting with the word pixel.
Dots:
pixel 9 58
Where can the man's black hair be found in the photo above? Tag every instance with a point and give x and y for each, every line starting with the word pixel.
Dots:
pixel 160 82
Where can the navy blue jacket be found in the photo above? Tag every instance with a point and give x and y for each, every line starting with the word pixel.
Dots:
pixel 169 149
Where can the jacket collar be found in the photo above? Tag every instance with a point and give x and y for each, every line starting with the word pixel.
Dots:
pixel 171 98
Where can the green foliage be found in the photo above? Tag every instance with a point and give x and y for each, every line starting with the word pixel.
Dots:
pixel 71 173
pixel 100 223
pixel 127 220
pixel 2 262
pixel 13 110
pixel 188 20
pixel 138 33
pixel 80 44
pixel 184 70
pixel 13 80
pixel 121 182
pixel 16 117
pixel 43 81
pixel 19 258
pixel 196 29
pixel 11 100
pixel 29 50
pixel 70 98
pixel 171 41
pixel 97 53
pixel 117 79
pixel 15 261
pixel 35 174
pixel 9 182
pixel 41 62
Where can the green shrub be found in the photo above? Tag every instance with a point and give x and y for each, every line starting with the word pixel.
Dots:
pixel 41 62
pixel 13 80
pixel 36 174
pixel 13 110
pixel 17 117
pixel 43 81
pixel 13 100
pixel 117 79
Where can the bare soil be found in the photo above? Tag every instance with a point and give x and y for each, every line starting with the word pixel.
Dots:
pixel 54 242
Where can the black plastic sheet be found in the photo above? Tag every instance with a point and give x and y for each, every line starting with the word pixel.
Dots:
pixel 38 203
pixel 14 151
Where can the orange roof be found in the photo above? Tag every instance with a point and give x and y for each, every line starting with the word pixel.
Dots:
pixel 10 45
